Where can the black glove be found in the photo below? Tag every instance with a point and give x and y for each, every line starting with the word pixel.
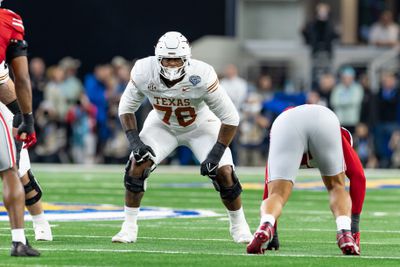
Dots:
pixel 28 129
pixel 17 120
pixel 141 152
pixel 14 108
pixel 210 165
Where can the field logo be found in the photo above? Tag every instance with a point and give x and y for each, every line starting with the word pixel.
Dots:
pixel 91 212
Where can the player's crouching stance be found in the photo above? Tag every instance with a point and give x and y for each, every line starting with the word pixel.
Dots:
pixel 182 92
pixel 314 129
pixel 355 173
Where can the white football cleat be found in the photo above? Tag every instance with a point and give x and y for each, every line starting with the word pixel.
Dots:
pixel 241 233
pixel 42 231
pixel 128 234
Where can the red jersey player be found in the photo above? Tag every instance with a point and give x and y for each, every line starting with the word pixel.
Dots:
pixel 13 48
pixel 355 173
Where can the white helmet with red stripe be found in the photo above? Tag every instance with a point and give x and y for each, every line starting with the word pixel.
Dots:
pixel 173 45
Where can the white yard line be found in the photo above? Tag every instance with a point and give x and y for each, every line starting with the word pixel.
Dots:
pixel 275 254
pixel 205 239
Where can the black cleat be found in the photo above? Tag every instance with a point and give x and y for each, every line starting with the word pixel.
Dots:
pixel 274 244
pixel 18 249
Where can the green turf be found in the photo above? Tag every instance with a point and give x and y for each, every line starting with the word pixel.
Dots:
pixel 307 229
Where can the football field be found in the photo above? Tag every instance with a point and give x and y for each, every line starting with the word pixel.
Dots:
pixel 185 224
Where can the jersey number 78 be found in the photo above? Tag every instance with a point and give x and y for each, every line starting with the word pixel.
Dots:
pixel 184 115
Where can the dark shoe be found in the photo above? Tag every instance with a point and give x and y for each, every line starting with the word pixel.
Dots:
pixel 18 249
pixel 274 244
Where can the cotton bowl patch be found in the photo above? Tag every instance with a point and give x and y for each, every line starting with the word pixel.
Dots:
pixel 91 212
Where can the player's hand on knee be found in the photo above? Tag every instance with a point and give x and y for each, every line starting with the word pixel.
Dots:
pixel 143 153
pixel 209 169
pixel 210 165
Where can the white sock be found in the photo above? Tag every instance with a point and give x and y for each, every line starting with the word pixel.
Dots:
pixel 39 219
pixel 343 222
pixel 131 215
pixel 267 218
pixel 18 235
pixel 236 216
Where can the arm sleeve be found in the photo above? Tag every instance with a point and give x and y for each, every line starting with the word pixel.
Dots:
pixel 17 48
pixel 219 102
pixel 131 99
pixel 355 173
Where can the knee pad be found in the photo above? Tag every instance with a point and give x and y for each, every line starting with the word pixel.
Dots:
pixel 135 184
pixel 229 193
pixel 29 187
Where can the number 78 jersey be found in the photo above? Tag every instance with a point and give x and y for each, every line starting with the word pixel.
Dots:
pixel 186 104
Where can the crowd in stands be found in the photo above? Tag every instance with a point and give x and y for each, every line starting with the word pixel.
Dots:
pixel 77 120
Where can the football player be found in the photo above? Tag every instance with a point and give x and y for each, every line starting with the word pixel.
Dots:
pixel 314 130
pixel 13 48
pixel 190 108
pixel 355 173
pixel 33 191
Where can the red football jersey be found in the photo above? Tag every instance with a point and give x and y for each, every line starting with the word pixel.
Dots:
pixel 11 28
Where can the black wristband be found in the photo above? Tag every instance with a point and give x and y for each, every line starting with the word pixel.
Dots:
pixel 133 138
pixel 217 151
pixel 28 118
pixel 14 107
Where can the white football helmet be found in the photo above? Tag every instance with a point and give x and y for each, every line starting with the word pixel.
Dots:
pixel 173 45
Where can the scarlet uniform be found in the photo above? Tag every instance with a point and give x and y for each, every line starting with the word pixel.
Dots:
pixel 24 163
pixel 11 29
pixel 189 113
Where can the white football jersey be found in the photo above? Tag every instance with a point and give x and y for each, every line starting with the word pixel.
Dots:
pixel 184 105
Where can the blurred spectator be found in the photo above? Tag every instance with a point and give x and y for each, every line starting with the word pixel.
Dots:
pixel 385 32
pixel 96 85
pixel 319 34
pixel 81 118
pixel 253 128
pixel 265 89
pixel 72 86
pixel 236 88
pixel 346 99
pixel 122 72
pixel 37 69
pixel 394 146
pixel 53 92
pixel 326 83
pixel 313 97
pixel 51 139
pixel 388 102
pixel 364 145
pixel 256 122
pixel 368 105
